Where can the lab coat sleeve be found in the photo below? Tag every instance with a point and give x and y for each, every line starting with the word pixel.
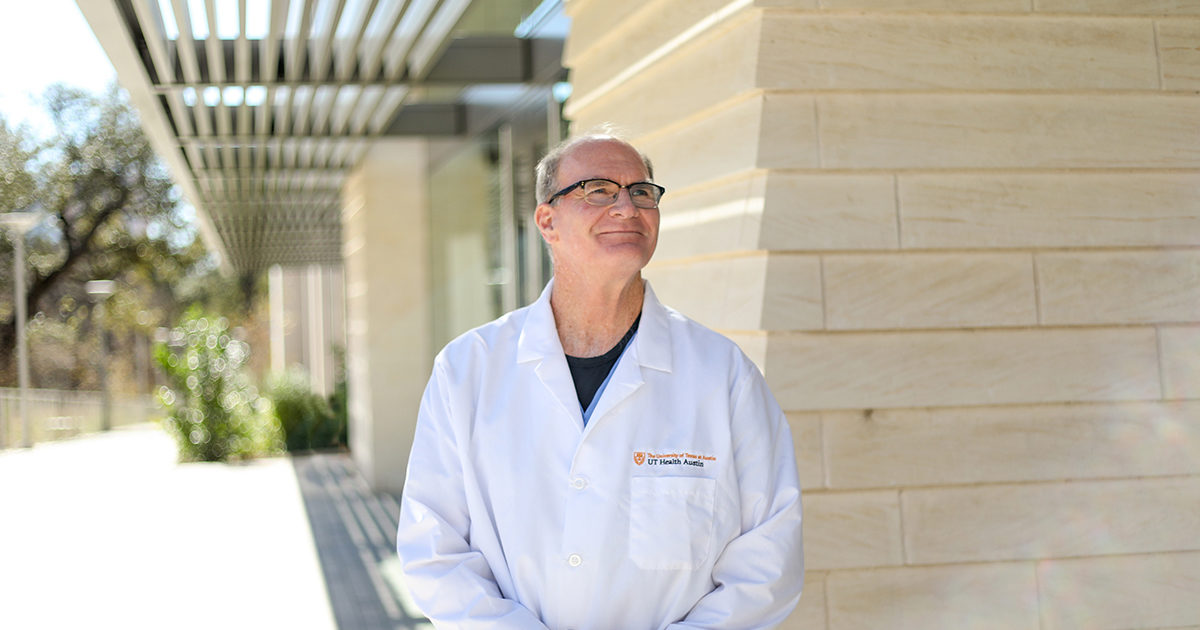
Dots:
pixel 450 581
pixel 759 574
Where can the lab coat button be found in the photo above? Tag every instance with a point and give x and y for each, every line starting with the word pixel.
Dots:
pixel 574 560
pixel 579 483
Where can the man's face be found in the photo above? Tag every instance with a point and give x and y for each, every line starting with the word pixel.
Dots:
pixel 617 240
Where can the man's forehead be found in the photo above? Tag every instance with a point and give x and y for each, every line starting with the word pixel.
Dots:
pixel 598 158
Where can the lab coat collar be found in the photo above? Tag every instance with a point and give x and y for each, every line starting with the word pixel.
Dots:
pixel 539 334
pixel 652 343
pixel 653 339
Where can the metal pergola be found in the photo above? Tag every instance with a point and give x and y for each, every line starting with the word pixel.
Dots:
pixel 260 107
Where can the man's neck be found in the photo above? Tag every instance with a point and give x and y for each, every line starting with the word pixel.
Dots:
pixel 592 317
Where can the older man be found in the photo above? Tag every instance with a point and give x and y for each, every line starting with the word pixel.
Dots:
pixel 596 460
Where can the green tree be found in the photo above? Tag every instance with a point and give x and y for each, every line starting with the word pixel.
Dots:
pixel 17 152
pixel 110 210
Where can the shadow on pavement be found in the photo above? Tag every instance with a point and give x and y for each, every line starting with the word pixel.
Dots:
pixel 355 534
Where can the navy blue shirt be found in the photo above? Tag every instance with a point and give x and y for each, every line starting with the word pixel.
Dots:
pixel 589 373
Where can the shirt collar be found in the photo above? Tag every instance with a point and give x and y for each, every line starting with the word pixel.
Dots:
pixel 652 343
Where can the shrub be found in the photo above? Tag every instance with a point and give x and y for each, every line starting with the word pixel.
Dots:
pixel 339 399
pixel 214 413
pixel 308 421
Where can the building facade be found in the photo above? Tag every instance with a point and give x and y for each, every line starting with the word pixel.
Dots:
pixel 959 238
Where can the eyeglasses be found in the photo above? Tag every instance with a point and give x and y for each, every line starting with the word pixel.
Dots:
pixel 603 192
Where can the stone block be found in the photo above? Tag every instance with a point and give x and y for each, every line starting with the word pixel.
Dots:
pixel 845 530
pixel 787 134
pixel 1119 7
pixel 1049 210
pixel 980 597
pixel 786 4
pixel 971 445
pixel 594 21
pixel 1179 53
pixel 1119 287
pixel 955 368
pixel 928 291
pixel 792 294
pixel 704 73
pixel 810 459
pixel 723 217
pixel 608 37
pixel 732 299
pixel 824 212
pixel 810 612
pixel 716 146
pixel 741 137
pixel 948 6
pixel 1115 593
pixel 816 51
pixel 778 210
pixel 1051 520
pixel 1180 348
pixel 741 293
pixel 929 131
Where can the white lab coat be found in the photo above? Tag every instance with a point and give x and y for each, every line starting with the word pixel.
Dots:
pixel 678 506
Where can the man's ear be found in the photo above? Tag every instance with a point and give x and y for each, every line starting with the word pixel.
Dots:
pixel 543 216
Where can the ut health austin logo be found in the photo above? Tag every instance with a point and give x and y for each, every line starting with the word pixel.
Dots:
pixel 682 458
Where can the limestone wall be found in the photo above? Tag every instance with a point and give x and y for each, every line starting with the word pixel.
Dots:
pixel 960 238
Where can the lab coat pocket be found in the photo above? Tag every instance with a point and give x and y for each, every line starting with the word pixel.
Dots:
pixel 670 521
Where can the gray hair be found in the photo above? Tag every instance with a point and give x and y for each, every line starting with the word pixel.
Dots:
pixel 547 167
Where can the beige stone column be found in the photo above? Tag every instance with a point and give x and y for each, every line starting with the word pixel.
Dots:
pixel 385 250
pixel 959 238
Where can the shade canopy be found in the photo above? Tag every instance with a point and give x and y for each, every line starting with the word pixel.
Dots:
pixel 260 107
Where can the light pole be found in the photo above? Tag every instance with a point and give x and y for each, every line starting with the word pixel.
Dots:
pixel 99 290
pixel 17 224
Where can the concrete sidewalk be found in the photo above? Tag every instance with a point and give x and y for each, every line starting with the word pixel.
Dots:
pixel 108 531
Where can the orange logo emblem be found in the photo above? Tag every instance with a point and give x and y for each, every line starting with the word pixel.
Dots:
pixel 639 458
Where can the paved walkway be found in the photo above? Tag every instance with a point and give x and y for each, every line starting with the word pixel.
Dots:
pixel 108 531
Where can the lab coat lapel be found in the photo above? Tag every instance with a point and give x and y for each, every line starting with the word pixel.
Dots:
pixel 650 349
pixel 626 379
pixel 539 342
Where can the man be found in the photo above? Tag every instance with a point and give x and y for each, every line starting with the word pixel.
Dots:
pixel 596 460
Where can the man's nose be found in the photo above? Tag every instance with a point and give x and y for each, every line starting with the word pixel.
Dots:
pixel 623 206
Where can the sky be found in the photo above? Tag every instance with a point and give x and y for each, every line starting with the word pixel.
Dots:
pixel 43 42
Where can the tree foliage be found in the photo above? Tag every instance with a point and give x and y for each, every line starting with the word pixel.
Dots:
pixel 17 152
pixel 109 210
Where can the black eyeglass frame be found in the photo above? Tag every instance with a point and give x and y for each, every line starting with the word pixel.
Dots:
pixel 661 191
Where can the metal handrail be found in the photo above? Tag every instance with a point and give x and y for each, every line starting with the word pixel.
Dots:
pixel 56 414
